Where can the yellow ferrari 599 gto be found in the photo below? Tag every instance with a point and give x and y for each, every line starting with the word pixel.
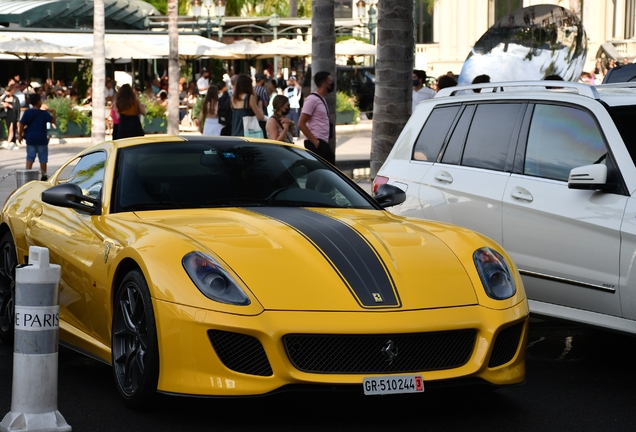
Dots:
pixel 232 267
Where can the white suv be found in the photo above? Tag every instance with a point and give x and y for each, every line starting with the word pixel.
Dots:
pixel 547 172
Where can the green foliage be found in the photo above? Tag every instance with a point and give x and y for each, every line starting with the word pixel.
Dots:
pixel 344 103
pixel 265 8
pixel 162 6
pixel 66 111
pixel 196 110
pixel 153 109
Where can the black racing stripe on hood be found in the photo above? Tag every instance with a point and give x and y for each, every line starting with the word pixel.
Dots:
pixel 358 264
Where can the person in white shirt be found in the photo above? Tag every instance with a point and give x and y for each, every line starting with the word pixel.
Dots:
pixel 109 91
pixel 203 83
pixel 293 93
pixel 420 91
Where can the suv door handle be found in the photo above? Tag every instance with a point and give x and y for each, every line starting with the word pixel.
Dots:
pixel 522 194
pixel 444 176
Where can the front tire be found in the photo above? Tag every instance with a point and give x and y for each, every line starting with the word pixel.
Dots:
pixel 135 352
pixel 8 263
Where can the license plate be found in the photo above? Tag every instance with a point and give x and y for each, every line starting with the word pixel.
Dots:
pixel 393 384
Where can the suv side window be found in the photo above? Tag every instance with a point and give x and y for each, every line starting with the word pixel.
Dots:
pixel 562 138
pixel 490 134
pixel 431 139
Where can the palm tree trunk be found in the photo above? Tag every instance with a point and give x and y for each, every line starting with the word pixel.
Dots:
pixel 293 8
pixel 98 126
pixel 394 70
pixel 173 69
pixel 323 49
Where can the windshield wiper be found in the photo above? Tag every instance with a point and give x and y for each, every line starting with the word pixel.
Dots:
pixel 153 205
pixel 237 202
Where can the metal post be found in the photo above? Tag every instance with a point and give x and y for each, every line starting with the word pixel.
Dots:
pixel 35 351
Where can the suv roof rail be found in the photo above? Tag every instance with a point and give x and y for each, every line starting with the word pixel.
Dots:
pixel 582 89
pixel 630 84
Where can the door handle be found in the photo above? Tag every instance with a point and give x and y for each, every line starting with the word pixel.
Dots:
pixel 444 176
pixel 522 195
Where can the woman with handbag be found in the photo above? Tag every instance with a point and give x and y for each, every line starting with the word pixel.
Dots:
pixel 245 109
pixel 279 127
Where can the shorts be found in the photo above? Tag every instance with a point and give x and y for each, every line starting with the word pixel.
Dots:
pixel 42 151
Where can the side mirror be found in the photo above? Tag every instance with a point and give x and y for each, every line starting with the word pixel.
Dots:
pixel 70 196
pixel 589 177
pixel 388 195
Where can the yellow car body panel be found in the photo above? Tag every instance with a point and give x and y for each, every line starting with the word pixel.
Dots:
pixel 184 329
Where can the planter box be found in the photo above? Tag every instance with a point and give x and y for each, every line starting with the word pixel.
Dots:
pixel 155 125
pixel 72 130
pixel 345 117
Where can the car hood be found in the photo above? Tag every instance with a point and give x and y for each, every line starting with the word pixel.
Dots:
pixel 327 259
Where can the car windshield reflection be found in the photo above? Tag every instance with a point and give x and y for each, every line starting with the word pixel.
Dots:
pixel 228 173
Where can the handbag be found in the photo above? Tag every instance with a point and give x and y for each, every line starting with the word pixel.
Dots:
pixel 251 126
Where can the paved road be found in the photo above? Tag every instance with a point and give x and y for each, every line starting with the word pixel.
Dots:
pixel 578 380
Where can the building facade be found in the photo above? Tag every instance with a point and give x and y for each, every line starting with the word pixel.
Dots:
pixel 455 26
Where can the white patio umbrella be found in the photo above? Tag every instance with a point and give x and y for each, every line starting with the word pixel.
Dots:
pixel 354 47
pixel 286 48
pixel 27 49
pixel 246 49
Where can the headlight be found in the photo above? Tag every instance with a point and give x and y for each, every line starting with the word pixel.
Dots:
pixel 212 280
pixel 494 273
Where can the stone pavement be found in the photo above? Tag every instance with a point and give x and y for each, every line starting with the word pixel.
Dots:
pixel 353 149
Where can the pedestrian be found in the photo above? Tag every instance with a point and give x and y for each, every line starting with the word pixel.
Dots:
pixel 10 111
pixel 261 91
pixel 314 118
pixel 224 110
pixel 294 94
pixel 209 117
pixel 420 90
pixel 114 116
pixel 34 121
pixel 203 83
pixel 445 81
pixel 244 104
pixel 109 90
pixel 129 108
pixel 480 79
pixel 279 127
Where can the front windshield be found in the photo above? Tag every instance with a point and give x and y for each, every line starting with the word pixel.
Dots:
pixel 228 173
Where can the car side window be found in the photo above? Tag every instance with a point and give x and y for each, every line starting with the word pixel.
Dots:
pixel 562 138
pixel 490 134
pixel 88 174
pixel 430 141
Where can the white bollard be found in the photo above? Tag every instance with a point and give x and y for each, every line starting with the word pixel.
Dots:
pixel 35 350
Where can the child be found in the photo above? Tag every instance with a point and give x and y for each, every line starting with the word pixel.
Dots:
pixel 34 120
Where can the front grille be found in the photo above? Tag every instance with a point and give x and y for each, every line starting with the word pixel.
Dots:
pixel 506 344
pixel 241 353
pixel 368 354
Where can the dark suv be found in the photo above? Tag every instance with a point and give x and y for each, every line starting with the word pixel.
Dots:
pixel 622 73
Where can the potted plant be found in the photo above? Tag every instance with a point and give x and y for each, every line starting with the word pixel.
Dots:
pixel 70 119
pixel 347 111
pixel 155 120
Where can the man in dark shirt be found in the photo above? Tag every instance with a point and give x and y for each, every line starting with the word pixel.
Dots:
pixel 34 120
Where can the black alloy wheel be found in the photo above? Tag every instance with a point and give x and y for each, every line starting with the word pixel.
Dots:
pixel 134 342
pixel 8 263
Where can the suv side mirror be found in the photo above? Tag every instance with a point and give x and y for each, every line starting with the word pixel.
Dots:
pixel 388 195
pixel 589 177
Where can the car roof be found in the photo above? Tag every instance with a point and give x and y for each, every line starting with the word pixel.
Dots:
pixel 611 94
